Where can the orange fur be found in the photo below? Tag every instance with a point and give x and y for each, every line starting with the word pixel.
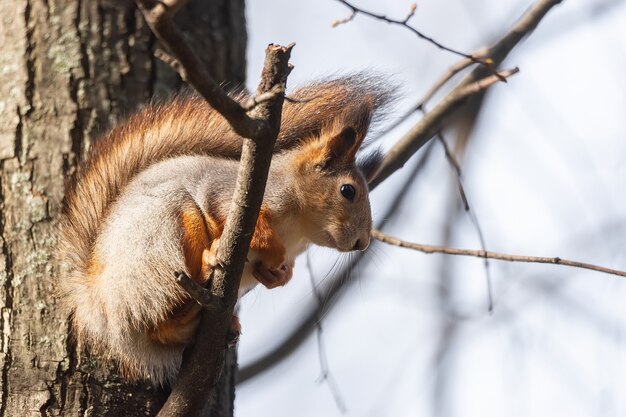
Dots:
pixel 94 267
pixel 199 257
pixel 266 241
pixel 180 327
pixel 312 153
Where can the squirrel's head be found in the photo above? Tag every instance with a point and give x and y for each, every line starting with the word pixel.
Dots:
pixel 333 185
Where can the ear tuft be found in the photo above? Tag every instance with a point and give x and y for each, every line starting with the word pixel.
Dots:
pixel 370 163
pixel 316 106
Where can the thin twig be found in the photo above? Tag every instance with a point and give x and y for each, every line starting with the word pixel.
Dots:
pixel 470 212
pixel 378 235
pixel 405 23
pixel 325 375
pixel 457 170
pixel 484 83
pixel 254 101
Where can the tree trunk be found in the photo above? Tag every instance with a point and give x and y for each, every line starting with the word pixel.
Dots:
pixel 70 69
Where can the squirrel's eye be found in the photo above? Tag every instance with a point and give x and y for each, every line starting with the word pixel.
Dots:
pixel 348 191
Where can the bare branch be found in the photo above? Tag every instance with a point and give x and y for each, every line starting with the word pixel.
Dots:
pixel 377 234
pixel 470 212
pixel 171 61
pixel 325 375
pixel 412 9
pixel 347 19
pixel 158 15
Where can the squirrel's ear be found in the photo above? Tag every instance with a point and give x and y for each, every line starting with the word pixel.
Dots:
pixel 346 133
pixel 342 146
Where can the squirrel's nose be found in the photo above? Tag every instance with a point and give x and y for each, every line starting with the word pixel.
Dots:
pixel 362 243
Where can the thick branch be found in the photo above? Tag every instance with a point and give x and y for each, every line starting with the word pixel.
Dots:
pixel 377 234
pixel 259 123
pixel 522 28
pixel 430 124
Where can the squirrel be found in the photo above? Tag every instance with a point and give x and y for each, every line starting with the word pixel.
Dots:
pixel 152 197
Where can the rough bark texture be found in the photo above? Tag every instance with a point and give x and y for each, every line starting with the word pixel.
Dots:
pixel 70 69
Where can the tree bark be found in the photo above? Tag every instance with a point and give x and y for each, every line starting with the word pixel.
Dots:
pixel 70 69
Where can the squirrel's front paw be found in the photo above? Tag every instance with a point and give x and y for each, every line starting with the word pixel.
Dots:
pixel 210 260
pixel 275 277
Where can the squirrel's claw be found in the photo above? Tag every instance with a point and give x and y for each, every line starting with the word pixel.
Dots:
pixel 273 278
pixel 232 337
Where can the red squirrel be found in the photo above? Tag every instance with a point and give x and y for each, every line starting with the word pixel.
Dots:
pixel 152 197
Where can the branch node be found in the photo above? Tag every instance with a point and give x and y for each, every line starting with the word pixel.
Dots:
pixel 276 91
